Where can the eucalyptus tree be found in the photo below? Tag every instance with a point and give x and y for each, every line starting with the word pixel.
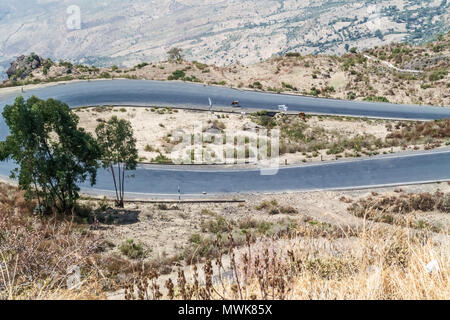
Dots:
pixel 118 146
pixel 53 155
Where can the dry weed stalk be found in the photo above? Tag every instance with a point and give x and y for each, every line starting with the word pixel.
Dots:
pixel 36 252
pixel 374 263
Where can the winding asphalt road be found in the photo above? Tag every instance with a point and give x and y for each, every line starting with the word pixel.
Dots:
pixel 156 181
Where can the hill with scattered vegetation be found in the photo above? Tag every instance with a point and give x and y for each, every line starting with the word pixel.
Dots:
pixel 397 73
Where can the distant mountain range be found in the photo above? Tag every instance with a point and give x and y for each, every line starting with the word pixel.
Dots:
pixel 125 32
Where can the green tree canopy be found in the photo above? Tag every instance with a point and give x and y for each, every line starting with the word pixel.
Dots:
pixel 52 153
pixel 118 145
pixel 175 54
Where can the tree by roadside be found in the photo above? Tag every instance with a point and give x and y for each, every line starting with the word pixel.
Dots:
pixel 175 54
pixel 118 145
pixel 53 155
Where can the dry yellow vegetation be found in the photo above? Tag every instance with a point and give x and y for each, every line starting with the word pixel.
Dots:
pixel 261 249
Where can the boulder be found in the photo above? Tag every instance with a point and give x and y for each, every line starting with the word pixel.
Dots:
pixel 24 66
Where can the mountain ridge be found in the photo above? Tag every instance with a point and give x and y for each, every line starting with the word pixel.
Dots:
pixel 211 31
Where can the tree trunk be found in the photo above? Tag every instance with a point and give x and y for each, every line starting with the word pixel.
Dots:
pixel 119 199
pixel 37 195
pixel 115 183
pixel 123 186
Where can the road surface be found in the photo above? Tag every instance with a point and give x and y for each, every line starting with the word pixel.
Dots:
pixel 157 181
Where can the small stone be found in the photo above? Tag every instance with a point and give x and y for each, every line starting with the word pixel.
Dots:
pixel 432 267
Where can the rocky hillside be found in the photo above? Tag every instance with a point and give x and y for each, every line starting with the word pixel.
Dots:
pixel 24 66
pixel 397 73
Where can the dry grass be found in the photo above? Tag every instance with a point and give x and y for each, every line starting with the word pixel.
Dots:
pixel 377 263
pixel 404 209
pixel 421 132
pixel 36 253
pixel 297 259
pixel 299 136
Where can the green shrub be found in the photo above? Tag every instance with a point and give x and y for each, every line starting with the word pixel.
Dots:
pixel 314 91
pixel 264 227
pixel 288 86
pixel 105 75
pixel 149 148
pixel 141 65
pixel 288 210
pixel 263 119
pixel 162 159
pixel 438 75
pixel 376 99
pixel 351 96
pixel 217 225
pixel 195 238
pixel 200 66
pixel 176 75
pixel 132 250
pixel 257 85
pixel 65 64
pixel 191 79
pixel 267 204
pixel 47 66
